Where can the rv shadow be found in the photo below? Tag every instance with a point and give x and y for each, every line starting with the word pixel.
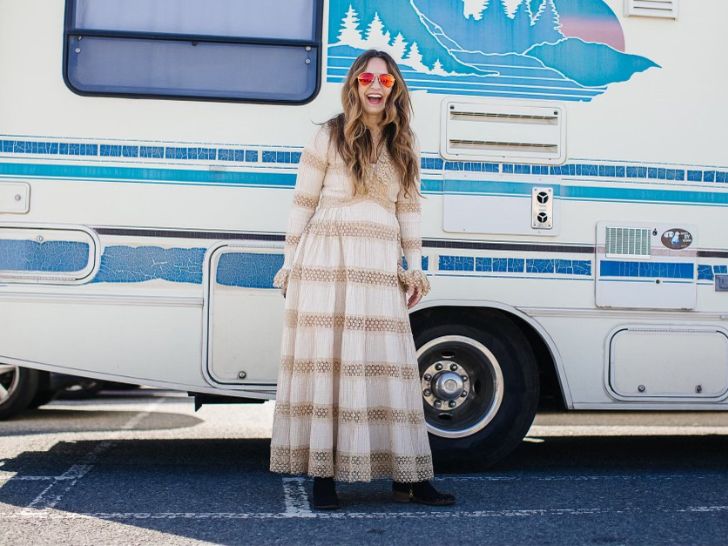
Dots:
pixel 221 489
pixel 50 420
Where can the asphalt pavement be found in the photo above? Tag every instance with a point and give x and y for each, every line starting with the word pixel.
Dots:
pixel 141 467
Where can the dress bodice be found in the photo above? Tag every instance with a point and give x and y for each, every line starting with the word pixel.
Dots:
pixel 382 184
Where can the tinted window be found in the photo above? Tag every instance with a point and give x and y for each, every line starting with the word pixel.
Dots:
pixel 216 49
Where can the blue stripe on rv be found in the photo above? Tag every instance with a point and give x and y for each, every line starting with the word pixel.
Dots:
pixel 48 256
pixel 287 180
pixel 126 264
pixel 655 270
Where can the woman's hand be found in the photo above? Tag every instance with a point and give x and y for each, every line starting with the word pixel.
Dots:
pixel 414 295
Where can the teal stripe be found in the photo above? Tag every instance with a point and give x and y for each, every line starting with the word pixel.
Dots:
pixel 288 179
pixel 577 193
pixel 135 174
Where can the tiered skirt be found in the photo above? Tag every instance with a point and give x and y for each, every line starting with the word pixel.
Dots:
pixel 348 403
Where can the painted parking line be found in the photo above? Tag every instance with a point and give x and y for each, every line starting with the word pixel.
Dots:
pixel 586 477
pixel 50 496
pixel 424 514
pixel 296 498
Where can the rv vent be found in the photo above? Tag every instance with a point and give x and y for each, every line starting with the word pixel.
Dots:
pixel 503 132
pixel 626 241
pixel 652 8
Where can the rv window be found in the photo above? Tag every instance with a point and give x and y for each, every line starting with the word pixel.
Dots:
pixel 206 49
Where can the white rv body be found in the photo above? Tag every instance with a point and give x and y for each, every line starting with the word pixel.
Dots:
pixel 183 240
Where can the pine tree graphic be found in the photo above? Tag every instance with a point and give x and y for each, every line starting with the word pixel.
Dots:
pixel 398 47
pixel 546 24
pixel 522 22
pixel 377 37
pixel 349 33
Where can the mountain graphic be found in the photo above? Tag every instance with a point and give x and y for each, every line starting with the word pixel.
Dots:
pixel 521 52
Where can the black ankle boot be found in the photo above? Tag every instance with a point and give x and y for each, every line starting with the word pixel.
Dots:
pixel 324 494
pixel 420 492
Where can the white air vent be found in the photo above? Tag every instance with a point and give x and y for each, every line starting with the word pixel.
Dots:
pixel 503 132
pixel 652 8
pixel 627 242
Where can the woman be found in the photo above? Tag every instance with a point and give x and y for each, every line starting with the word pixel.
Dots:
pixel 348 405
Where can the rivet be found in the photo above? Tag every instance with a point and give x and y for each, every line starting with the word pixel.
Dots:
pixel 453 366
pixel 641 388
pixel 308 61
pixel 78 50
pixel 463 394
pixel 242 375
pixel 18 197
pixel 39 238
pixel 427 377
pixel 451 403
pixel 464 377
pixel 698 388
pixel 427 392
pixel 438 403
pixel 438 366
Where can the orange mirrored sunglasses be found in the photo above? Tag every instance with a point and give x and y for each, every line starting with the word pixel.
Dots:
pixel 367 78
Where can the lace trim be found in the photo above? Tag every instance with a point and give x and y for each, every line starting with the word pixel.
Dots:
pixel 413 278
pixel 339 274
pixel 280 280
pixel 411 244
pixel 328 201
pixel 310 159
pixel 390 370
pixel 310 410
pixel 353 229
pixel 408 206
pixel 351 467
pixel 305 201
pixel 339 321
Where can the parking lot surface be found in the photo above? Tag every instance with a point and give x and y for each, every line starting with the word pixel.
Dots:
pixel 139 467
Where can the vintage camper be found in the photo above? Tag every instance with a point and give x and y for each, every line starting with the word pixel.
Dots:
pixel 574 169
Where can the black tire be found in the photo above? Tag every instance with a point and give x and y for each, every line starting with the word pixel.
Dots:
pixel 19 387
pixel 493 413
pixel 115 386
pixel 41 398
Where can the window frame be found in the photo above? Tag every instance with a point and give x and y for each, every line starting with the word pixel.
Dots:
pixel 69 29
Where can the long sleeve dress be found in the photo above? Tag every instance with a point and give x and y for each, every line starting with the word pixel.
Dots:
pixel 349 402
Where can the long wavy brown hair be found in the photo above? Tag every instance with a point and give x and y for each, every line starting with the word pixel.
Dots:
pixel 354 141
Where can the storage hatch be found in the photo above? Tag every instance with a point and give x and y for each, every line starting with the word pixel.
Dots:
pixel 241 304
pixel 665 362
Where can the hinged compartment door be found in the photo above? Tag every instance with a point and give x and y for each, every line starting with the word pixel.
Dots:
pixel 243 315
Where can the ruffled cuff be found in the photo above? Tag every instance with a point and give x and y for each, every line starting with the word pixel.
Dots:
pixel 409 278
pixel 280 280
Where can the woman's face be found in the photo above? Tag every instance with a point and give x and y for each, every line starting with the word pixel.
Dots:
pixel 374 97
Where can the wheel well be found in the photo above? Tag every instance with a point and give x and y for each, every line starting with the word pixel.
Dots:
pixel 551 398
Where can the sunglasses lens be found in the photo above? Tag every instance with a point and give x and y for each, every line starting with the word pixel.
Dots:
pixel 366 78
pixel 387 80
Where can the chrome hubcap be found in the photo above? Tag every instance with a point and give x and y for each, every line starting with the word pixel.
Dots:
pixel 444 385
pixel 462 385
pixel 8 381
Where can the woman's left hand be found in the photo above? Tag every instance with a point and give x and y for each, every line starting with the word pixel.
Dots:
pixel 414 295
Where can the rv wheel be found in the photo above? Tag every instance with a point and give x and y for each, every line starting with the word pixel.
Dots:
pixel 479 387
pixel 18 386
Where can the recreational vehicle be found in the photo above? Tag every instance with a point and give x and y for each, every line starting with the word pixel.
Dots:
pixel 574 172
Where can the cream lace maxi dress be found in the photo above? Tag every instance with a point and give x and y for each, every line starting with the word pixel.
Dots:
pixel 348 403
